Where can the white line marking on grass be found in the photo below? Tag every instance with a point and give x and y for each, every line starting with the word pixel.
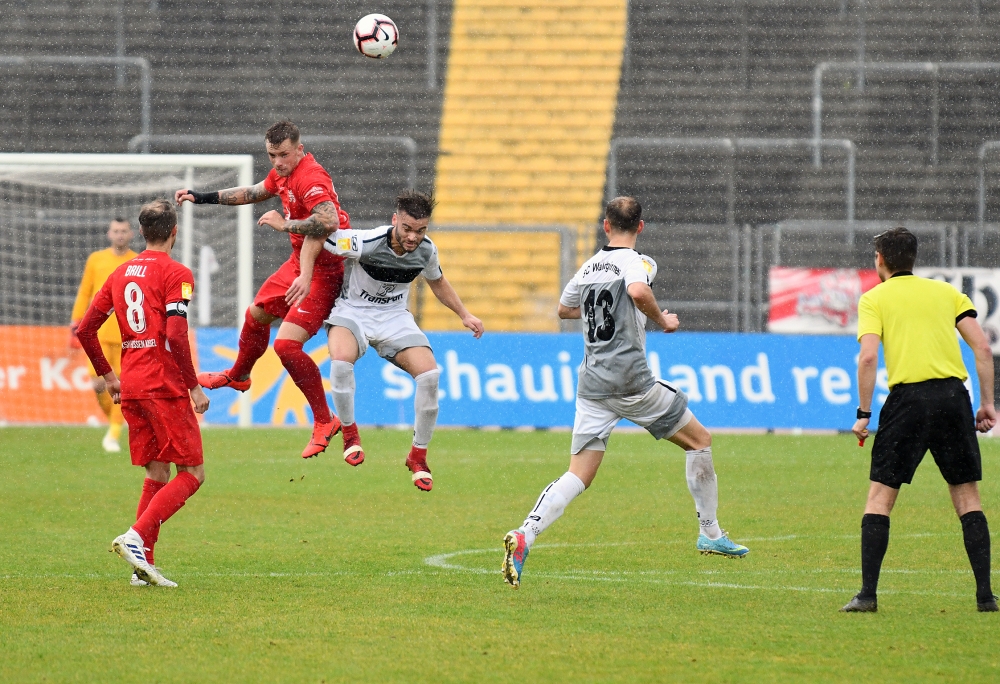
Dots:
pixel 444 561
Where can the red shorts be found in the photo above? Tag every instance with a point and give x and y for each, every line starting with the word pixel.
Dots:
pixel 163 430
pixel 314 309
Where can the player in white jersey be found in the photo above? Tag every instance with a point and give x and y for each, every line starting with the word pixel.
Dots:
pixel 612 293
pixel 371 311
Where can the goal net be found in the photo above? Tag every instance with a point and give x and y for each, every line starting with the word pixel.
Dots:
pixel 55 210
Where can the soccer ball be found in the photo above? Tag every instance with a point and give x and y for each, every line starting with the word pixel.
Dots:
pixel 375 36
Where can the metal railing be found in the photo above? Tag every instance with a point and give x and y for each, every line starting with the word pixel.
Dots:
pixel 118 61
pixel 984 149
pixel 731 146
pixel 567 251
pixel 243 141
pixel 934 69
pixel 744 255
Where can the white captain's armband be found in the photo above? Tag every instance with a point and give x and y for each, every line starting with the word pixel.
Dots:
pixel 177 309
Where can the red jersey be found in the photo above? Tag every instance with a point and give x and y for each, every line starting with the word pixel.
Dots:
pixel 143 293
pixel 306 186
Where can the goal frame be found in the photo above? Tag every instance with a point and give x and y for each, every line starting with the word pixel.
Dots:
pixel 243 163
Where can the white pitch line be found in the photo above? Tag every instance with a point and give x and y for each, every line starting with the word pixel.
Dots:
pixel 654 576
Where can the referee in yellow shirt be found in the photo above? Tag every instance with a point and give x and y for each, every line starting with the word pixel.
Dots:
pixel 928 406
pixel 99 266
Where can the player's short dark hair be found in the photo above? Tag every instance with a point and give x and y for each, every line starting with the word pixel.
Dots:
pixel 120 219
pixel 282 131
pixel 415 204
pixel 624 213
pixel 898 248
pixel 157 220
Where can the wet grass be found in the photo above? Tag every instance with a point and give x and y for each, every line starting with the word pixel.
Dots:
pixel 313 571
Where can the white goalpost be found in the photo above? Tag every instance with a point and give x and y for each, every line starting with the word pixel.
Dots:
pixel 54 211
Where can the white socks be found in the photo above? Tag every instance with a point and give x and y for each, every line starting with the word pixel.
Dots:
pixel 551 504
pixel 342 388
pixel 425 407
pixel 704 488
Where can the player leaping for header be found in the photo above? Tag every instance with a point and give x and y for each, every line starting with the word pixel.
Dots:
pixel 303 290
pixel 612 293
pixel 381 264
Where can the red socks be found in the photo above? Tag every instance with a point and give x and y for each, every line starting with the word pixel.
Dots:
pixel 149 490
pixel 164 504
pixel 253 343
pixel 306 376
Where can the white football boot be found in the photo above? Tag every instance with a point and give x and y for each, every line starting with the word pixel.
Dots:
pixel 110 444
pixel 130 547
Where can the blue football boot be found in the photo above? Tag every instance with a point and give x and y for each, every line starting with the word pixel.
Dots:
pixel 723 546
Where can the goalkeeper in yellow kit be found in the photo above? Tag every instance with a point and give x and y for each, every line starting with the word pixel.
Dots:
pixel 99 266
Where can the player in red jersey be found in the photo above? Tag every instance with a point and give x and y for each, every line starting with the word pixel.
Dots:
pixel 303 290
pixel 149 297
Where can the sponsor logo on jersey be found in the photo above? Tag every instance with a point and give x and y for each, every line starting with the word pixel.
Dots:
pixel 375 299
pixel 646 266
pixel 291 197
pixel 187 289
pixel 314 191
pixel 385 289
pixel 135 271
pixel 138 344
pixel 344 244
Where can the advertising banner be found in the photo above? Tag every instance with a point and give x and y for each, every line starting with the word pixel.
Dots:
pixel 750 381
pixel 818 301
pixel 43 380
pixel 742 381
pixel 982 285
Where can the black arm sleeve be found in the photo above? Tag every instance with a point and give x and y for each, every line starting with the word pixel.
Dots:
pixel 204 197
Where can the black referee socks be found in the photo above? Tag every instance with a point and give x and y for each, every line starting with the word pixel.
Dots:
pixel 874 542
pixel 977 545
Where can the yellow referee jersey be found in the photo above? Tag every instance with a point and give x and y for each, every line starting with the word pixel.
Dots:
pixel 916 318
pixel 99 266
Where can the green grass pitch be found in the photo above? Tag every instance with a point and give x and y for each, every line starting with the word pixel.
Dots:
pixel 313 571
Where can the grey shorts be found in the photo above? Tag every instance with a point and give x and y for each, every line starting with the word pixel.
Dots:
pixel 389 332
pixel 663 411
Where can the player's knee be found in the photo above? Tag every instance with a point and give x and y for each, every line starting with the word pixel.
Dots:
pixel 427 387
pixel 341 374
pixel 286 349
pixel 256 315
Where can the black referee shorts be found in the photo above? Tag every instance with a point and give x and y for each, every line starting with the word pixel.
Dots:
pixel 935 415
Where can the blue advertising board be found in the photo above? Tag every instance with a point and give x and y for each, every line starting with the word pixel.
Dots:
pixel 750 381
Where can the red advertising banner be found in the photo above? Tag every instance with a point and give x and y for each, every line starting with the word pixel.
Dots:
pixel 821 301
pixel 43 380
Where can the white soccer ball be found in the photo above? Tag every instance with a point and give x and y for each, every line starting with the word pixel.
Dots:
pixel 376 36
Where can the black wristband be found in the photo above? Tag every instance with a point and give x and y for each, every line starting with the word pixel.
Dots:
pixel 864 414
pixel 204 197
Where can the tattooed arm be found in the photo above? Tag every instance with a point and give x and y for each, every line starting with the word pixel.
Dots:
pixel 251 194
pixel 323 221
